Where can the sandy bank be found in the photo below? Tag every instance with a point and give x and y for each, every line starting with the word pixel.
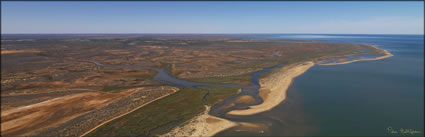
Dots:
pixel 273 91
pixel 386 55
pixel 273 88
pixel 202 125
pixel 276 84
pixel 245 99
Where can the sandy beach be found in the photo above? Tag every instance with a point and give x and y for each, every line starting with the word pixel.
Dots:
pixel 201 125
pixel 273 88
pixel 276 86
pixel 273 91
pixel 387 54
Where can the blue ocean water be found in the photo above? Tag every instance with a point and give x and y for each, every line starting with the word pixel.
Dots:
pixel 365 98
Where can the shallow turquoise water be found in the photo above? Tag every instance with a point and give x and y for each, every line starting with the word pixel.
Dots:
pixel 357 99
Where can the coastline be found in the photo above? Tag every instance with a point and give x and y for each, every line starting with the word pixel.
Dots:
pixel 273 88
pixel 201 125
pixel 387 54
pixel 277 85
pixel 273 91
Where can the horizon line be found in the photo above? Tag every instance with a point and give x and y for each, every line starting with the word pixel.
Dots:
pixel 214 33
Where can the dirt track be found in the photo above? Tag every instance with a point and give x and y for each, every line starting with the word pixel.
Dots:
pixel 174 91
pixel 30 119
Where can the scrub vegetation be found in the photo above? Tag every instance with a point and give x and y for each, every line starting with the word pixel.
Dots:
pixel 161 116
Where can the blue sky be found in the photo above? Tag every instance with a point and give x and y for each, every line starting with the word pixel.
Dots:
pixel 213 17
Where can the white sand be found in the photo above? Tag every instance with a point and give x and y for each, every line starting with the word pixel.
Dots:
pixel 387 54
pixel 202 125
pixel 277 84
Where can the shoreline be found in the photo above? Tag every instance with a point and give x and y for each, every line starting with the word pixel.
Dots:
pixel 202 125
pixel 277 85
pixel 386 55
pixel 273 90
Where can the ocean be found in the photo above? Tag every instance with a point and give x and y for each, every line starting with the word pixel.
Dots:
pixel 366 98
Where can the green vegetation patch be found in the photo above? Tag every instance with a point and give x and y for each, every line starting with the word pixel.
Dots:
pixel 161 116
pixel 225 79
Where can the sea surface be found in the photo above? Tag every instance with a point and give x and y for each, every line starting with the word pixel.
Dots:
pixel 365 98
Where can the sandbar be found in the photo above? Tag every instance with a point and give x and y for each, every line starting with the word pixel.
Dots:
pixel 386 55
pixel 274 87
pixel 276 84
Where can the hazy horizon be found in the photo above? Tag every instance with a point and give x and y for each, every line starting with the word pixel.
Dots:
pixel 213 33
pixel 405 18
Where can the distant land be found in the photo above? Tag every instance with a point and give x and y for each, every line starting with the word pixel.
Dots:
pixel 151 84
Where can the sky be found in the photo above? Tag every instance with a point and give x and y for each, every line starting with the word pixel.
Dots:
pixel 213 17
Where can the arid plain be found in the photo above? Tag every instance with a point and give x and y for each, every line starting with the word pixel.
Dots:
pixel 108 85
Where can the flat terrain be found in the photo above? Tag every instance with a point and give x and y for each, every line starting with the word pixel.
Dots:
pixel 45 78
pixel 161 116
